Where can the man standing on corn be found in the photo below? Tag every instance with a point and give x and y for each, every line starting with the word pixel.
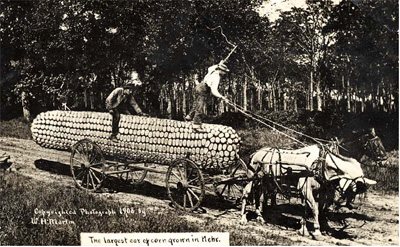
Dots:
pixel 120 101
pixel 202 91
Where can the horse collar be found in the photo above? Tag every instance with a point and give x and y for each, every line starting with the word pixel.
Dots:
pixel 319 165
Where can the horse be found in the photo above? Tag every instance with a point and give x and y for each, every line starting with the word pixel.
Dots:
pixel 364 145
pixel 312 170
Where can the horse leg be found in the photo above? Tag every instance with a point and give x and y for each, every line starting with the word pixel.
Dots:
pixel 273 199
pixel 324 203
pixel 245 196
pixel 260 204
pixel 323 219
pixel 306 185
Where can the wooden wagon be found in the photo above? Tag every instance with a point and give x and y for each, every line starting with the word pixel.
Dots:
pixel 198 162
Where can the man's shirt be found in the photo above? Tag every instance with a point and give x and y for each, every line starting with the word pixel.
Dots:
pixel 118 97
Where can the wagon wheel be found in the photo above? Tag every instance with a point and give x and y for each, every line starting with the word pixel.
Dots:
pixel 87 165
pixel 231 189
pixel 134 176
pixel 185 184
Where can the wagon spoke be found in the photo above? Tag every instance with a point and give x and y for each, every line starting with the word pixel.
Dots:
pixel 92 157
pixel 94 175
pixel 234 193
pixel 96 164
pixel 185 187
pixel 80 174
pixel 237 187
pixel 87 154
pixel 194 187
pixel 173 173
pixel 91 178
pixel 190 172
pixel 231 188
pixel 223 189
pixel 87 180
pixel 96 169
pixel 193 180
pixel 78 152
pixel 194 194
pixel 82 152
pixel 190 198
pixel 79 161
pixel 180 173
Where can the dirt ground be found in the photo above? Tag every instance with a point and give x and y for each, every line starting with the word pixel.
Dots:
pixel 374 223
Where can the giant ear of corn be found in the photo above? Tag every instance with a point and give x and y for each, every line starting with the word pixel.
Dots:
pixel 140 138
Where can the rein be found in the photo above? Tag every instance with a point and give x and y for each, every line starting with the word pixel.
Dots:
pixel 318 171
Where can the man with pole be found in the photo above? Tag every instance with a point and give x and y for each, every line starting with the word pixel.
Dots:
pixel 209 85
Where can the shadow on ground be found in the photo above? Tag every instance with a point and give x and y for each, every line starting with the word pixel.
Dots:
pixel 289 215
pixel 114 184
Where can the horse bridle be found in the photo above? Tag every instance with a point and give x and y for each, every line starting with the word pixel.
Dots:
pixel 318 171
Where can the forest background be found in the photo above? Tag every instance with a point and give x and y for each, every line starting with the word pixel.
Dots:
pixel 314 69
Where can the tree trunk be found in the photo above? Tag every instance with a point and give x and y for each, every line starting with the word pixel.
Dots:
pixel 311 92
pixel 348 92
pixel 284 96
pixel 91 97
pixel 113 81
pixel 295 104
pixel 318 93
pixel 161 99
pixel 267 98
pixel 85 98
pixel 355 102
pixel 362 109
pixel 170 101
pixel 279 97
pixel 259 96
pixel 184 101
pixel 245 94
pixel 25 106
pixel 273 97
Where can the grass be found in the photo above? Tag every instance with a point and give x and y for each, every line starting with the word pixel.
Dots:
pixel 22 197
pixel 387 177
pixel 18 128
pixel 254 139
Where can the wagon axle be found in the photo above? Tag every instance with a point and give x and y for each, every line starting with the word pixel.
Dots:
pixel 186 186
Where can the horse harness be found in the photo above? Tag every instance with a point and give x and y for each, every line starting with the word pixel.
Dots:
pixel 317 171
pixel 318 167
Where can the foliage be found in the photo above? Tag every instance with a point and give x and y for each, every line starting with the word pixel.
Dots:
pixel 387 177
pixel 77 51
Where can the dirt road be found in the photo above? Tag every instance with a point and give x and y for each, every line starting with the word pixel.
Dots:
pixel 376 222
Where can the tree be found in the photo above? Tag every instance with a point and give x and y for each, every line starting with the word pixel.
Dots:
pixel 366 50
pixel 308 42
